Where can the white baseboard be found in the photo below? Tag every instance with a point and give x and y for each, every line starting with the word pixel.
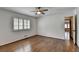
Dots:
pixel 4 43
pixel 52 37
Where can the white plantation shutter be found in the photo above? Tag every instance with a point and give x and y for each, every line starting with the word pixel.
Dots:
pixel 15 25
pixel 21 24
pixel 26 24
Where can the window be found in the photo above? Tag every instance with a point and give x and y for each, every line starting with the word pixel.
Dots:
pixel 15 24
pixel 26 24
pixel 67 26
pixel 21 24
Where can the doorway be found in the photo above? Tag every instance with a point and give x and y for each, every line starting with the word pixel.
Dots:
pixel 70 28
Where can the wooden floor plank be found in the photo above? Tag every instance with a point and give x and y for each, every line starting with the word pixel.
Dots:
pixel 42 44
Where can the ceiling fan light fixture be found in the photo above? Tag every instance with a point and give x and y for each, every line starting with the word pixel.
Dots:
pixel 38 12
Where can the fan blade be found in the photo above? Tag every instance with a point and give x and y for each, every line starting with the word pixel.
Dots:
pixel 45 10
pixel 43 13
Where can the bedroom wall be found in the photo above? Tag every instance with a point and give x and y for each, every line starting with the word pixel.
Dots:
pixel 53 25
pixel 6 33
pixel 78 26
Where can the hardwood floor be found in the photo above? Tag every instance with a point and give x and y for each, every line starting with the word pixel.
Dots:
pixel 42 44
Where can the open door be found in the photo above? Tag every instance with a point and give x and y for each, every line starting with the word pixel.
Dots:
pixel 70 29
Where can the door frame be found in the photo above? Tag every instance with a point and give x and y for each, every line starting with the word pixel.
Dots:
pixel 73 18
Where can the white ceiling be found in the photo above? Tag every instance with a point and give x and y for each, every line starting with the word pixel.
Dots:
pixel 28 10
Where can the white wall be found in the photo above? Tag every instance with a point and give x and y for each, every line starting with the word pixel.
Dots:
pixel 78 26
pixel 6 33
pixel 53 25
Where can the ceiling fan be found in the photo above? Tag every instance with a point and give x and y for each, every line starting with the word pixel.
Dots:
pixel 39 10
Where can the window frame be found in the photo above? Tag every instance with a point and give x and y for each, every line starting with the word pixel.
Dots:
pixel 22 25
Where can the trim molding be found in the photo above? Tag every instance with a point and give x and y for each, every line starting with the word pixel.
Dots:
pixel 30 37
pixel 51 37
pixel 18 40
